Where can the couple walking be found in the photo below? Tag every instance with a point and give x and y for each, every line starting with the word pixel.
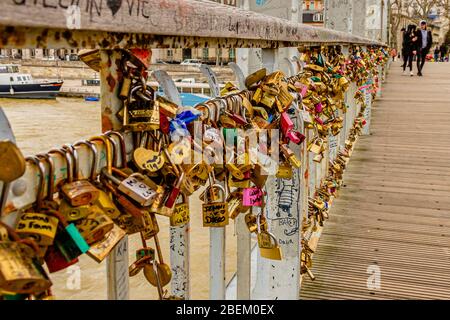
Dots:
pixel 416 43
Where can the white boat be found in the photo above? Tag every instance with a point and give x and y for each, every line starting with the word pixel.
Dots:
pixel 14 84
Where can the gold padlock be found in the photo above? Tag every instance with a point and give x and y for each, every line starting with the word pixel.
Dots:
pixel 215 214
pixel 284 171
pixel 269 249
pixel 95 226
pixel 100 250
pixel 38 226
pixel 180 214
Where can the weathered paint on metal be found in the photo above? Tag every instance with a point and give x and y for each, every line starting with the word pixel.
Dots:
pixel 169 23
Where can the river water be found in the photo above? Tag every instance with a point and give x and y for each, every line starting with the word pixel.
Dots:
pixel 40 125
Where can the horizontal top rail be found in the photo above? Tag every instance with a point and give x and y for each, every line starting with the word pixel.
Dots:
pixel 153 24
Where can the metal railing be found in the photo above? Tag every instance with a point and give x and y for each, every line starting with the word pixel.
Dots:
pixel 187 24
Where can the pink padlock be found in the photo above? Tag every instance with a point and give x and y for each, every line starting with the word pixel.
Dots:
pixel 318 120
pixel 318 107
pixel 252 197
pixel 286 123
pixel 286 126
pixel 295 136
pixel 304 91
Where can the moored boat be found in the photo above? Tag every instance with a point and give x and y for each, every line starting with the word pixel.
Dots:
pixel 14 84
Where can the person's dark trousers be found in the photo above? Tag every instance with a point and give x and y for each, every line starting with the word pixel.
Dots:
pixel 405 59
pixel 408 61
pixel 421 57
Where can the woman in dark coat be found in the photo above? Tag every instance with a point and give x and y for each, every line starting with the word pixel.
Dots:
pixel 410 47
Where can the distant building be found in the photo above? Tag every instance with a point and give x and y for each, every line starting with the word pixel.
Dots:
pixel 206 55
pixel 42 54
pixel 313 12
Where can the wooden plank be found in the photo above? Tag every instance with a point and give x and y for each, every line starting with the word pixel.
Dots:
pixel 393 210
pixel 185 23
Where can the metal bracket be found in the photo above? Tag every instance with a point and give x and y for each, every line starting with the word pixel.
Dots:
pixel 239 75
pixel 168 86
pixel 6 132
pixel 212 80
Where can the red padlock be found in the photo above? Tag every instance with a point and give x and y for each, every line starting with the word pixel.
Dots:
pixel 164 123
pixel 55 260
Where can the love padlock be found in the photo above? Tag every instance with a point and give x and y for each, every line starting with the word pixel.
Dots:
pixel 215 212
pixel 252 197
pixel 287 127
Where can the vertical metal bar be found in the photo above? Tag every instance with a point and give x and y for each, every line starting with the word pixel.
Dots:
pixel 380 77
pixel 217 242
pixel 180 261
pixel 179 236
pixel 243 263
pixel 281 279
pixel 117 261
pixel 343 133
pixel 217 264
pixel 368 110
pixel 243 272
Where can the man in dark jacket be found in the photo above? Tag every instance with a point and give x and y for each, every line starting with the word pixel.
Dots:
pixel 443 50
pixel 425 40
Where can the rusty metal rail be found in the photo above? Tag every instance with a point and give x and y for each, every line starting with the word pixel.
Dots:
pixel 180 24
pixel 155 24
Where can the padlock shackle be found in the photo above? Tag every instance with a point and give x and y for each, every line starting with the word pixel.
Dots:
pixel 107 144
pixel 114 149
pixel 203 105
pixel 91 146
pixel 123 149
pixel 65 156
pixel 109 176
pixel 41 182
pixel 51 173
pixel 76 160
pixel 16 238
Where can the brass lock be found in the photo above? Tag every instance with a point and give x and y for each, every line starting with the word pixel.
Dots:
pixel 100 250
pixel 12 160
pixel 95 226
pixel 37 226
pixel 284 171
pixel 131 185
pixel 81 192
pixel 267 243
pixel 20 272
pixel 180 214
pixel 158 273
pixel 215 212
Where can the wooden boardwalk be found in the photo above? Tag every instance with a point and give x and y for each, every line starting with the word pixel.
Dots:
pixel 394 211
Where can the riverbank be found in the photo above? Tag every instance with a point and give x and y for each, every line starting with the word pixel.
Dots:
pixel 77 70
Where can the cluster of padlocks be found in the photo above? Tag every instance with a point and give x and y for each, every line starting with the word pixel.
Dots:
pixel 167 164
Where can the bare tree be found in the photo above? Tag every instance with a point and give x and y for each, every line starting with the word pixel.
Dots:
pixel 421 8
pixel 414 10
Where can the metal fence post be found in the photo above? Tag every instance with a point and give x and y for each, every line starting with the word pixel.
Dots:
pixel 179 236
pixel 217 243
pixel 368 111
pixel 281 279
pixel 117 261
